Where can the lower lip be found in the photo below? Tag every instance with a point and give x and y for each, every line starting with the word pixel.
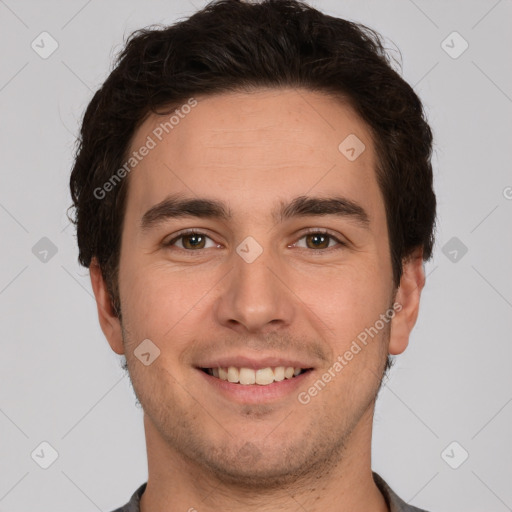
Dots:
pixel 256 393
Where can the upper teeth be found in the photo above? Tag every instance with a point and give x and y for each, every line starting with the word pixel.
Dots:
pixel 248 376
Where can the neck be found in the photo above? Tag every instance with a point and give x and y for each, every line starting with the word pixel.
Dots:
pixel 341 485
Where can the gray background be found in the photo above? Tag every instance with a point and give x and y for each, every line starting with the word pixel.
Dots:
pixel 62 384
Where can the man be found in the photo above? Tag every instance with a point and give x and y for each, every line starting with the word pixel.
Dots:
pixel 253 194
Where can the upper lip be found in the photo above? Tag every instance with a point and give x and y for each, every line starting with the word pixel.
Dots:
pixel 254 363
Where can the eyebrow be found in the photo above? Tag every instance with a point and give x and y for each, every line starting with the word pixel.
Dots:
pixel 176 206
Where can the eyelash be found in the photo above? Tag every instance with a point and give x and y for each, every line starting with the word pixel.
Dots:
pixel 312 231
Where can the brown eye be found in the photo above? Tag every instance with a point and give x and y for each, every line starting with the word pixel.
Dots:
pixel 191 241
pixel 317 241
pixel 194 241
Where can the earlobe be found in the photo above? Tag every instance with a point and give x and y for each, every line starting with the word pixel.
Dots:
pixel 109 322
pixel 407 302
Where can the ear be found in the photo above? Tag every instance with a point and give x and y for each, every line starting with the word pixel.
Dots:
pixel 407 302
pixel 109 322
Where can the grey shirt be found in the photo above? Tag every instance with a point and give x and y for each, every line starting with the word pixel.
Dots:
pixel 395 504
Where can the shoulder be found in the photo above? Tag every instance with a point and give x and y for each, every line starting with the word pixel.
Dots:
pixel 134 504
pixel 395 503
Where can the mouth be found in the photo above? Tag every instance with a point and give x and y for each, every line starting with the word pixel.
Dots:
pixel 250 376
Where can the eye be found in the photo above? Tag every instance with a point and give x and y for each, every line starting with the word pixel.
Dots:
pixel 319 240
pixel 191 240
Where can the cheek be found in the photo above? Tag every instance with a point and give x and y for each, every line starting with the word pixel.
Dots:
pixel 346 299
pixel 158 300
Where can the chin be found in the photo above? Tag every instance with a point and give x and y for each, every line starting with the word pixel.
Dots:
pixel 261 475
pixel 271 465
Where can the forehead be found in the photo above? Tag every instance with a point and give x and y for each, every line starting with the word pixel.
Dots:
pixel 253 147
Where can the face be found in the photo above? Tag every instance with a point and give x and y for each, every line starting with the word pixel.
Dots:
pixel 252 243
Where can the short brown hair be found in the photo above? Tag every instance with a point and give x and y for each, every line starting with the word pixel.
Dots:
pixel 232 45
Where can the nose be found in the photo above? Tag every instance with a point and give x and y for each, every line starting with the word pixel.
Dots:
pixel 256 298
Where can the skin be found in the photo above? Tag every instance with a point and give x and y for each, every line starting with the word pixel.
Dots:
pixel 253 150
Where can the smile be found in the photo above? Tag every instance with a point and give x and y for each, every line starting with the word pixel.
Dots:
pixel 248 376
